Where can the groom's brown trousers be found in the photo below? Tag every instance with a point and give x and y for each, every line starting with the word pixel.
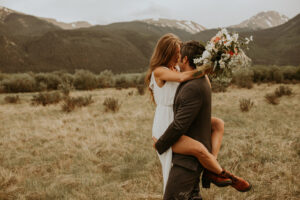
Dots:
pixel 183 183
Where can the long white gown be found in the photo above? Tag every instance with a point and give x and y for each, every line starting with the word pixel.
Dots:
pixel 163 117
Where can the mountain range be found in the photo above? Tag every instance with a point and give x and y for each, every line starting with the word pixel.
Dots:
pixel 189 26
pixel 263 20
pixel 29 43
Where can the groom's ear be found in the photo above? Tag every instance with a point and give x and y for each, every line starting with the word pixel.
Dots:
pixel 185 60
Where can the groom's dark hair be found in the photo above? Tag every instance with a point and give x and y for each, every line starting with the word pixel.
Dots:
pixel 191 49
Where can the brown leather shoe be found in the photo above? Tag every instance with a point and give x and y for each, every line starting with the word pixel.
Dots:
pixel 210 177
pixel 237 182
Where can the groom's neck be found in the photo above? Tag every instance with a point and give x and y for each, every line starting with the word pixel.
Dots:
pixel 188 68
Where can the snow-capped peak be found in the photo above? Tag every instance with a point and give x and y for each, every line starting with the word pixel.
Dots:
pixel 188 26
pixel 263 20
pixel 4 12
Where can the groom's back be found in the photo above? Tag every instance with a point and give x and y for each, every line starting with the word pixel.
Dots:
pixel 200 128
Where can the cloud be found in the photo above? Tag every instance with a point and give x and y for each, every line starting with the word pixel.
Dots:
pixel 153 11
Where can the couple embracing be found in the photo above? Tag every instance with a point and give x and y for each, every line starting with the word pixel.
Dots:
pixel 185 135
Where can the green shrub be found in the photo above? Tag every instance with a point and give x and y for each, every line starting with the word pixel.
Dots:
pixel 46 98
pixel 65 88
pixel 243 78
pixel 85 80
pixel 106 79
pixel 275 73
pixel 50 80
pixel 218 86
pixel 18 83
pixel 12 99
pixel 111 104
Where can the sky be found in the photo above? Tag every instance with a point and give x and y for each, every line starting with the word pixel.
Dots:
pixel 209 13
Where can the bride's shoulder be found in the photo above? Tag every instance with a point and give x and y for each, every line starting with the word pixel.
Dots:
pixel 160 69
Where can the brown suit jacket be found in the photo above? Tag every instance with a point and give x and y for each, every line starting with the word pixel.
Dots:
pixel 192 117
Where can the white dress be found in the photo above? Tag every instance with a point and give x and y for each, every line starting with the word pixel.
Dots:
pixel 163 117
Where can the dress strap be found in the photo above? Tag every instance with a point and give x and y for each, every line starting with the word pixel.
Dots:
pixel 151 85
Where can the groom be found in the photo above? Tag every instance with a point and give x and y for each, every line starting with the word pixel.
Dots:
pixel 192 116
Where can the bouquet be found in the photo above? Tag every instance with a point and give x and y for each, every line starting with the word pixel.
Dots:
pixel 222 55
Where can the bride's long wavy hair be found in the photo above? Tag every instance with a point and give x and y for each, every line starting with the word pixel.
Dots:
pixel 163 54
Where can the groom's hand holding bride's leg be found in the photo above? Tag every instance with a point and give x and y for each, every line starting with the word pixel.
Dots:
pixel 154 142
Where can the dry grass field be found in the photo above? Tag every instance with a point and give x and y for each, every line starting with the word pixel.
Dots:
pixel 91 154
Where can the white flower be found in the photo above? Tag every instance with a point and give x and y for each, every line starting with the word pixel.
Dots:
pixel 247 40
pixel 224 31
pixel 206 55
pixel 206 61
pixel 222 64
pixel 235 37
pixel 225 56
pixel 228 43
pixel 197 60
pixel 251 38
pixel 209 46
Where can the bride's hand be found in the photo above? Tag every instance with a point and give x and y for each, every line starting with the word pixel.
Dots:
pixel 154 142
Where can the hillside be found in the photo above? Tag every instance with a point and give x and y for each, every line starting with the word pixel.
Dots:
pixel 279 45
pixel 121 47
pixel 189 26
pixel 263 20
pixel 28 43
pixel 72 25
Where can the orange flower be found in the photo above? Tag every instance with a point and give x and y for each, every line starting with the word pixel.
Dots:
pixel 216 39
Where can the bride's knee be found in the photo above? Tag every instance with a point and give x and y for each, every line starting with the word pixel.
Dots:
pixel 218 125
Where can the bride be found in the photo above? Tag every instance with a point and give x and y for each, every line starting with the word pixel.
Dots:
pixel 163 78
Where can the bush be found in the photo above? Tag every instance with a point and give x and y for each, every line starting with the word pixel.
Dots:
pixel 70 103
pixel 65 88
pixel 243 79
pixel 278 76
pixel 46 98
pixel 111 104
pixel 125 81
pixel 12 99
pixel 140 89
pixel 48 81
pixel 218 86
pixel 85 80
pixel 66 78
pixel 272 98
pixel 246 104
pixel 275 74
pixel 18 83
pixel 283 90
pixel 106 79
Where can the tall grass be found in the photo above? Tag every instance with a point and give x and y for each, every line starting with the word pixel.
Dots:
pixel 92 154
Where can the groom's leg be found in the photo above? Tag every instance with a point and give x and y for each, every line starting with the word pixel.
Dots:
pixel 181 183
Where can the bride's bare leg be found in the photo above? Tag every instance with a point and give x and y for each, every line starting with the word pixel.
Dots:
pixel 188 146
pixel 217 126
